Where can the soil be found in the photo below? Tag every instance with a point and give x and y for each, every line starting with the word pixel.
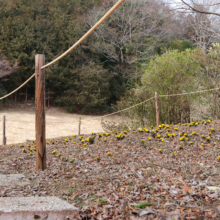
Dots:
pixel 20 123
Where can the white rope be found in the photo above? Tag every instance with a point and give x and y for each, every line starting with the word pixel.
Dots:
pixel 18 87
pixel 87 34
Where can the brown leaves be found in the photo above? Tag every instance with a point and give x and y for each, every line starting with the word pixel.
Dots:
pixel 133 173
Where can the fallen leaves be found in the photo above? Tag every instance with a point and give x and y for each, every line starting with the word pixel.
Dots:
pixel 118 178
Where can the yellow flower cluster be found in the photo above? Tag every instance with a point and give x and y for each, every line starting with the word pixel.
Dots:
pixel 120 136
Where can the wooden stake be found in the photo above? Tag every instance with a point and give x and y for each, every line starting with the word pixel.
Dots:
pixel 4 138
pixel 15 98
pixel 40 112
pixel 157 109
pixel 26 95
pixel 48 99
pixel 79 126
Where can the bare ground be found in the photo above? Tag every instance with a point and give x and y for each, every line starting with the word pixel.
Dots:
pixel 20 123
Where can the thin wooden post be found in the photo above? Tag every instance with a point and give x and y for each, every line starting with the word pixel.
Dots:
pixel 48 99
pixel 4 138
pixel 79 126
pixel 40 112
pixel 157 109
pixel 16 98
pixel 26 92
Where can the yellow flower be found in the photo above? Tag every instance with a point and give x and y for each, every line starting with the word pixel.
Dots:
pixel 74 142
pixel 208 138
pixel 202 144
pixel 109 153
pixel 158 136
pixel 202 136
pixel 105 139
pixel 140 130
pixel 176 129
pixel 173 134
pixel 149 138
pixel 72 160
pixel 146 130
pixel 218 157
pixel 53 152
pixel 98 158
pixel 85 144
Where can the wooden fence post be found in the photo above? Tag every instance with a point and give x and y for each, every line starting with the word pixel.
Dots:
pixel 79 126
pixel 26 92
pixel 4 138
pixel 40 112
pixel 157 109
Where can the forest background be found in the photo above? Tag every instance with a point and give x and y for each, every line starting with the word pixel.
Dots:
pixel 144 47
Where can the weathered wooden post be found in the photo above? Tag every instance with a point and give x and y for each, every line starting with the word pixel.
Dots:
pixel 4 138
pixel 79 126
pixel 40 112
pixel 26 91
pixel 157 109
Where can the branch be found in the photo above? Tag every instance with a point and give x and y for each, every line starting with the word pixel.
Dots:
pixel 199 11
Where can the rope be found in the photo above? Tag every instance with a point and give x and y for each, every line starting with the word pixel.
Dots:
pixel 151 99
pixel 18 88
pixel 189 93
pixel 122 110
pixel 87 34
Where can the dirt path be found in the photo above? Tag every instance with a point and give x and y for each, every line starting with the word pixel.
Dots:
pixel 20 124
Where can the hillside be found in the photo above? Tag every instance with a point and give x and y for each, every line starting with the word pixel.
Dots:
pixel 169 172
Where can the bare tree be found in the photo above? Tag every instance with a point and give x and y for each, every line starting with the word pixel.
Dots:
pixel 5 67
pixel 204 7
pixel 131 34
pixel 201 19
